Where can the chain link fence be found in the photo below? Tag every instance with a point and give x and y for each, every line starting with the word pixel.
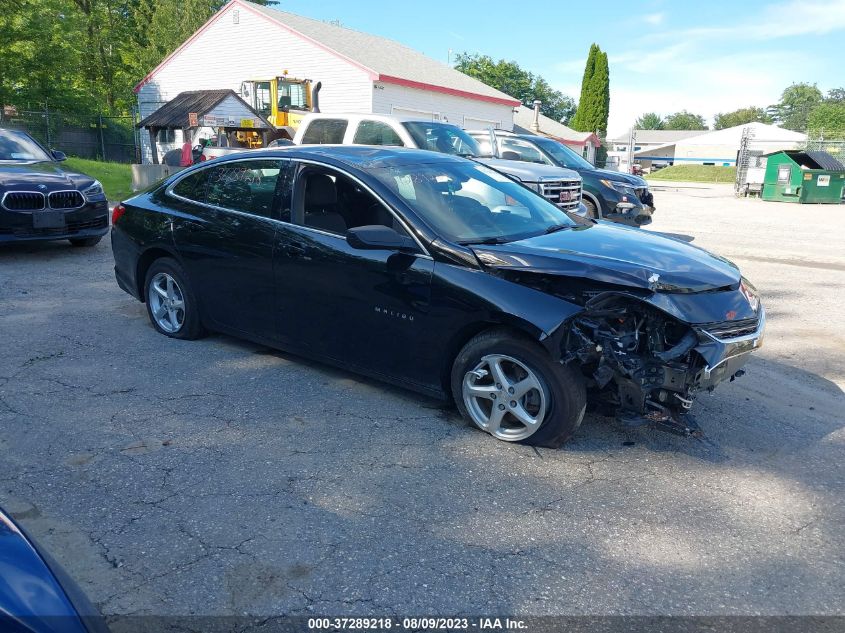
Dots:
pixel 834 147
pixel 92 136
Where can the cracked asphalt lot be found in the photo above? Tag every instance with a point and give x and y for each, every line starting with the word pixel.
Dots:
pixel 220 477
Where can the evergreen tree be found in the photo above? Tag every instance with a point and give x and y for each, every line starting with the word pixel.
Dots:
pixel 594 105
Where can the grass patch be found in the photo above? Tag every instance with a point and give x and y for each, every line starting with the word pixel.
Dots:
pixel 695 173
pixel 116 177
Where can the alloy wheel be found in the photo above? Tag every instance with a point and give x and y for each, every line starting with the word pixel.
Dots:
pixel 167 303
pixel 505 397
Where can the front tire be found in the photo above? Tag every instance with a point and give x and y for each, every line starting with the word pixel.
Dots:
pixel 592 209
pixel 171 303
pixel 509 387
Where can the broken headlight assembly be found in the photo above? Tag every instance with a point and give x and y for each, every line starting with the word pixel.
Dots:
pixel 641 365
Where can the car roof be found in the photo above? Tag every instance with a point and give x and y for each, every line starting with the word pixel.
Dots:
pixel 361 156
pixel 356 116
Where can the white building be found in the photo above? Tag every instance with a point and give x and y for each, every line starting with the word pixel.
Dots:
pixel 719 147
pixel 359 72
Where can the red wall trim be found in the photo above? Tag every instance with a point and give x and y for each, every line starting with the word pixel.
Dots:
pixel 388 79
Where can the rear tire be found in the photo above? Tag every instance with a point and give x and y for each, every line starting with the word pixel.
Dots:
pixel 171 303
pixel 509 386
pixel 82 242
pixel 592 209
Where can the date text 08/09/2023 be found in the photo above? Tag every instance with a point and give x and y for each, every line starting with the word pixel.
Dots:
pixel 416 624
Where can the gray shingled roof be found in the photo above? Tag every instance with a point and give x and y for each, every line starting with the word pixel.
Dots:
pixel 175 113
pixel 524 118
pixel 381 55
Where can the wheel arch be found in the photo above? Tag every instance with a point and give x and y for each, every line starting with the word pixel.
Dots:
pixel 506 322
pixel 147 258
pixel 593 199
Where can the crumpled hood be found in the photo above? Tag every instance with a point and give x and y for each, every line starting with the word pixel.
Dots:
pixel 615 254
pixel 30 175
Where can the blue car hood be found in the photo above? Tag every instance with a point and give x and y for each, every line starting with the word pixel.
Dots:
pixel 617 255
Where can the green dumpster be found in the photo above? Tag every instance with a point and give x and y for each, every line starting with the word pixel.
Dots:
pixel 807 177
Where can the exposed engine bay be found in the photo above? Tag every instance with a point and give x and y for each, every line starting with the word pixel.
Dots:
pixel 639 363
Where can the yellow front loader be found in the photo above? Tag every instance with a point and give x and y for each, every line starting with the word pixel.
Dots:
pixel 283 101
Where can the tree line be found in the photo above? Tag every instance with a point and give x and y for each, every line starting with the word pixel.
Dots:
pixel 87 55
pixel 802 108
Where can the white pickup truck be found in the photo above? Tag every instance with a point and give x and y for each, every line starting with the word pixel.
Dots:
pixel 558 185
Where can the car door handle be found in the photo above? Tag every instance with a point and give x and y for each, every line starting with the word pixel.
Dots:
pixel 194 226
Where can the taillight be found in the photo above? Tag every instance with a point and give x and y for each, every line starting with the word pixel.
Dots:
pixel 203 158
pixel 117 213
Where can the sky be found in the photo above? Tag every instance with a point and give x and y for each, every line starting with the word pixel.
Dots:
pixel 665 56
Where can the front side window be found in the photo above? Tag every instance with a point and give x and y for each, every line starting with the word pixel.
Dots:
pixel 325 132
pixel 248 185
pixel 333 202
pixel 470 203
pixel 376 133
pixel 562 155
pixel 443 138
pixel 17 146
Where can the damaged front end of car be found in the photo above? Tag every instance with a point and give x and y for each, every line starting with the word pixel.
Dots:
pixel 646 366
pixel 647 351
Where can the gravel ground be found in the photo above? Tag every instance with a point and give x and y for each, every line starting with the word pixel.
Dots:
pixel 219 477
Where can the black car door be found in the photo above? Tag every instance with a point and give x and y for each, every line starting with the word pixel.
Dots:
pixel 362 308
pixel 226 238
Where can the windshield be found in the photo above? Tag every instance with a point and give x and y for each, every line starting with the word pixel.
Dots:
pixel 16 146
pixel 443 138
pixel 564 156
pixel 469 203
pixel 292 96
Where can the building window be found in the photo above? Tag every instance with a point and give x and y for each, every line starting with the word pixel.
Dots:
pixel 166 136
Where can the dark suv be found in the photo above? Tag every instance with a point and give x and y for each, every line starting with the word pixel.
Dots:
pixel 609 195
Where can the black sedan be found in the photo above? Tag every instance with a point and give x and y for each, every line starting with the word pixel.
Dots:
pixel 439 274
pixel 41 201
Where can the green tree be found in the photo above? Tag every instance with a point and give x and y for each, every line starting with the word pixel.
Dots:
pixel 85 56
pixel 684 120
pixel 650 121
pixel 521 84
pixel 796 103
pixel 594 104
pixel 835 94
pixel 742 116
pixel 827 119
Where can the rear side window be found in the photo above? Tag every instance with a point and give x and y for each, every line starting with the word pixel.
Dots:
pixel 249 186
pixel 527 152
pixel 376 133
pixel 325 132
pixel 192 187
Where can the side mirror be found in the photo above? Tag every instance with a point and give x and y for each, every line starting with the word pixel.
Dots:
pixel 57 155
pixel 509 155
pixel 378 237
